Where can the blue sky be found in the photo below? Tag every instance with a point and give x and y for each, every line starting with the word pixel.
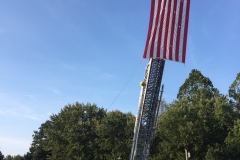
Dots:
pixel 57 52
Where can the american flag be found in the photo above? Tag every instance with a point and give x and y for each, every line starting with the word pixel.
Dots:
pixel 167 31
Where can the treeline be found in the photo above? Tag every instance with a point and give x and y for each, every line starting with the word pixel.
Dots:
pixel 201 121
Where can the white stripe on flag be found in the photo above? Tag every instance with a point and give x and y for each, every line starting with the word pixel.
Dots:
pixel 175 31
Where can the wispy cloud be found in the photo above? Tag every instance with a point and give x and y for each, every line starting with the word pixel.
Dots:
pixel 193 59
pixel 20 112
pixel 55 91
pixel 207 61
pixel 12 105
pixel 95 72
pixel 105 76
pixel 69 67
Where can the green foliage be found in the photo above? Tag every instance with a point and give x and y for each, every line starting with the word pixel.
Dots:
pixel 1 156
pixel 72 132
pixel 234 92
pixel 115 135
pixel 28 156
pixel 17 157
pixel 197 87
pixel 216 152
pixel 198 121
pixel 83 131
pixel 233 141
pixel 8 157
pixel 37 149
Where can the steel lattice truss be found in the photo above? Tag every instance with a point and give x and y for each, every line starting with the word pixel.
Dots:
pixel 147 110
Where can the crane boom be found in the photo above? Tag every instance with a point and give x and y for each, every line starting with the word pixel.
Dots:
pixel 147 109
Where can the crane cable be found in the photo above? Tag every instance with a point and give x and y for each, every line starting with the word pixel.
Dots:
pixel 126 83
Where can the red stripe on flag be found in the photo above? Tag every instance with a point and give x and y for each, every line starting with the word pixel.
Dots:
pixel 185 31
pixel 149 28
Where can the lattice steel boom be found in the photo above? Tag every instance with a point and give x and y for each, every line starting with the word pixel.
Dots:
pixel 147 110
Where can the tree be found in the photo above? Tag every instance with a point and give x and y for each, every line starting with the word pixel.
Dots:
pixel 83 131
pixel 115 136
pixel 28 156
pixel 1 156
pixel 233 141
pixel 8 157
pixel 234 92
pixel 38 149
pixel 198 121
pixel 72 132
pixel 215 152
pixel 197 87
pixel 17 157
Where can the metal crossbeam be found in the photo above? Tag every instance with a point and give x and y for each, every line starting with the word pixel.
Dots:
pixel 147 110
